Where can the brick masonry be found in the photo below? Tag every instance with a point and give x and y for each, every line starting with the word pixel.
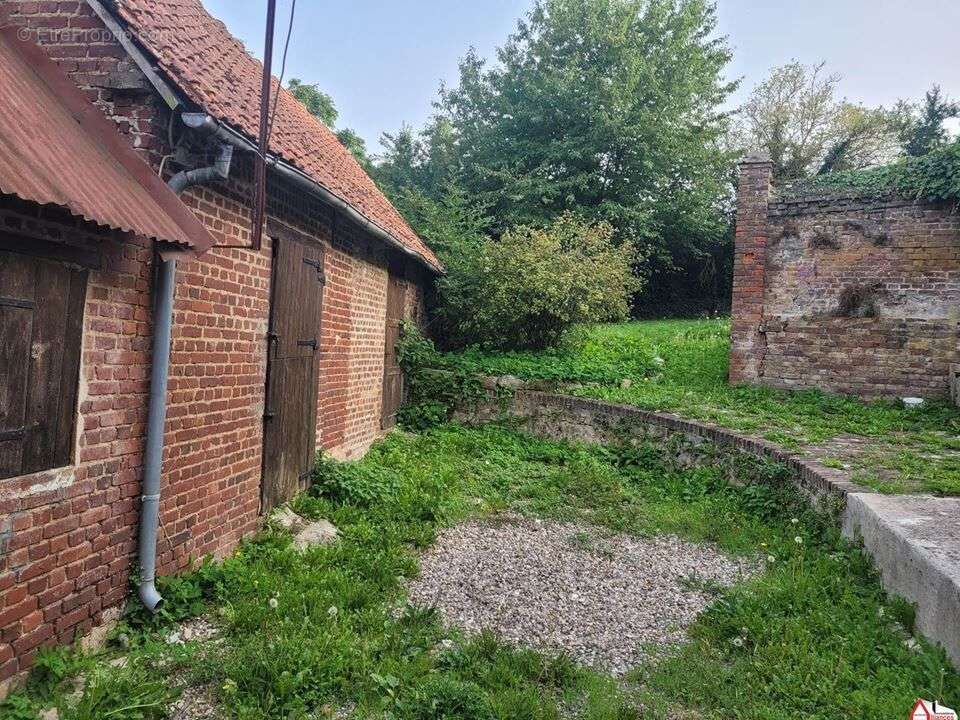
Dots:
pixel 846 294
pixel 68 536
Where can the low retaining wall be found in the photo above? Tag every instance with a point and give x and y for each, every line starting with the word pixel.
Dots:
pixel 914 540
pixel 684 442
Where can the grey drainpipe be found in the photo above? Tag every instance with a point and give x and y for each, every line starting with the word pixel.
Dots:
pixel 157 405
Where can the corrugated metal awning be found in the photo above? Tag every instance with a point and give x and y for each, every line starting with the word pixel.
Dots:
pixel 57 148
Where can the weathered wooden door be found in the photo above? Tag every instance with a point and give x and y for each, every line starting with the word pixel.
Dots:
pixel 293 364
pixel 41 319
pixel 392 374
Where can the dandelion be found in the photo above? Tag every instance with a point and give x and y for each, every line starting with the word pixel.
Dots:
pixel 738 641
pixel 273 603
pixel 332 611
pixel 798 540
pixel 794 521
pixel 771 559
pixel 658 360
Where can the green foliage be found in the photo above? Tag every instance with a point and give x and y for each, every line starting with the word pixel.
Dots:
pixel 357 146
pixel 354 484
pixel 321 105
pixel 681 366
pixel 316 101
pixel 794 115
pixel 132 693
pixel 924 131
pixel 452 223
pixel 309 634
pixel 444 698
pixel 531 286
pixel 935 176
pixel 434 387
pixel 610 109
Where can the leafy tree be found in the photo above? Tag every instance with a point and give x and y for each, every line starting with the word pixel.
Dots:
pixel 862 137
pixel 795 116
pixel 452 223
pixel 321 105
pixel 357 146
pixel 400 167
pixel 524 290
pixel 317 102
pixel 923 130
pixel 607 108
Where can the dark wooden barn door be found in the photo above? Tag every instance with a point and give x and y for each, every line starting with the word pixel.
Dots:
pixel 41 322
pixel 293 360
pixel 392 374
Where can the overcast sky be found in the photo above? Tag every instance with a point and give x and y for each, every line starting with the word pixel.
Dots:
pixel 383 60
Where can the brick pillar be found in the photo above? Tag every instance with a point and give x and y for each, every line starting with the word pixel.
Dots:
pixel 747 343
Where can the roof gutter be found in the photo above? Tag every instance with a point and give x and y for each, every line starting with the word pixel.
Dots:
pixel 209 124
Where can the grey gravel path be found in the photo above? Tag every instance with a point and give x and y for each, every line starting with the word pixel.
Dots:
pixel 567 587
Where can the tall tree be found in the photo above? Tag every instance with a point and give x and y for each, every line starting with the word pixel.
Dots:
pixel 924 130
pixel 796 117
pixel 609 108
pixel 321 105
pixel 315 100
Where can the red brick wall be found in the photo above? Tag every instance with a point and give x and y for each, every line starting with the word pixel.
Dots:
pixel 747 342
pixel 798 260
pixel 68 537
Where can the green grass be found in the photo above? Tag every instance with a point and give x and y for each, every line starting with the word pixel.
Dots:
pixel 812 636
pixel 681 366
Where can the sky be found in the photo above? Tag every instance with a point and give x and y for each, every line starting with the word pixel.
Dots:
pixel 382 61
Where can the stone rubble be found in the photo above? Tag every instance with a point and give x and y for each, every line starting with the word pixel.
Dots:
pixel 572 588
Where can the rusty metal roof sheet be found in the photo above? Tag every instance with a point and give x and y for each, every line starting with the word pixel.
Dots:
pixel 57 148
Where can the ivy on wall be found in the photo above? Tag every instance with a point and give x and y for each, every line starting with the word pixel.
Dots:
pixel 935 176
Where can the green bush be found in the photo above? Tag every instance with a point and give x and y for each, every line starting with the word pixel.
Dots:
pixel 354 483
pixel 526 289
pixel 435 387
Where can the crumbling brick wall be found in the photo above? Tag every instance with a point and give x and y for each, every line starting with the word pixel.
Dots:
pixel 844 293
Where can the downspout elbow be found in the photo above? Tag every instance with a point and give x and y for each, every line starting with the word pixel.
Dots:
pixel 149 595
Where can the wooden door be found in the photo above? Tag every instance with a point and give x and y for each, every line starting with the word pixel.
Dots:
pixel 392 374
pixel 293 364
pixel 41 323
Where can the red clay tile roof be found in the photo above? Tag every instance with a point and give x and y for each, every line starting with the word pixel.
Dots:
pixel 56 148
pixel 214 70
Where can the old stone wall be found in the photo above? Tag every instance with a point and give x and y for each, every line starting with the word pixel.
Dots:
pixel 682 443
pixel 68 536
pixel 845 294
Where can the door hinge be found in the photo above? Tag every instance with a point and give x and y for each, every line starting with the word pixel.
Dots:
pixel 17 434
pixel 307 343
pixel 14 302
pixel 318 266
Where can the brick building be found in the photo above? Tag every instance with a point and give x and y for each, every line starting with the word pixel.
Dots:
pixel 848 294
pixel 274 352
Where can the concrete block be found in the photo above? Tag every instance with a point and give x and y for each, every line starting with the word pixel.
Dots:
pixel 914 541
